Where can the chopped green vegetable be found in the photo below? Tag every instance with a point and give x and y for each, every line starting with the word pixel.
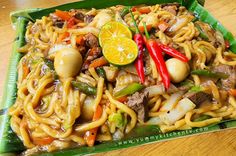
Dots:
pixel 202 34
pixel 118 118
pixel 194 19
pixel 125 11
pixel 202 118
pixel 101 72
pixel 83 87
pixel 130 89
pixel 210 74
pixel 49 63
pixel 187 83
pixel 196 89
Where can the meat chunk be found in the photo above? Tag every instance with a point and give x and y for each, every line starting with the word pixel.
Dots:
pixel 138 102
pixel 229 82
pixel 88 18
pixel 91 40
pixel 92 54
pixel 80 16
pixel 172 8
pixel 58 23
pixel 170 4
pixel 198 97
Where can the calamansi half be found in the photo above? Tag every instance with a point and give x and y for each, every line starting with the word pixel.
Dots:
pixel 120 51
pixel 113 29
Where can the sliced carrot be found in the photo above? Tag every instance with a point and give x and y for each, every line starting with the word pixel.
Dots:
pixel 68 42
pixel 232 92
pixel 123 99
pixel 98 113
pixel 141 28
pixel 144 10
pixel 42 141
pixel 26 70
pixel 134 8
pixel 80 40
pixel 162 25
pixel 227 44
pixel 62 37
pixel 90 135
pixel 101 61
pixel 63 15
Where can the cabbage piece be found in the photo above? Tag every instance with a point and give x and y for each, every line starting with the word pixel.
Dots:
pixel 185 105
pixel 118 118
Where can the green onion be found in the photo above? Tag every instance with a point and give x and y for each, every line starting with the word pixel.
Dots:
pixel 208 73
pixel 101 72
pixel 83 87
pixel 130 89
pixel 125 11
pixel 202 118
pixel 202 34
pixel 195 89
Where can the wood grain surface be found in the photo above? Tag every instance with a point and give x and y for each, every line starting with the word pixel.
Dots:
pixel 218 143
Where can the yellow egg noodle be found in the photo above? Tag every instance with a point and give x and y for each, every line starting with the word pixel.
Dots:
pixel 53 109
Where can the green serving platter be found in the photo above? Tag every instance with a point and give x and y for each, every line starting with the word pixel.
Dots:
pixel 10 143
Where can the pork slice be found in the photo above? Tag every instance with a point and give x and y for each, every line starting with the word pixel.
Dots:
pixel 88 18
pixel 59 23
pixel 80 16
pixel 171 8
pixel 229 82
pixel 138 102
pixel 92 54
pixel 170 4
pixel 91 40
pixel 198 97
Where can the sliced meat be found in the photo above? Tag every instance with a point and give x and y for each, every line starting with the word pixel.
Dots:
pixel 92 54
pixel 59 23
pixel 171 8
pixel 138 102
pixel 88 18
pixel 80 16
pixel 229 82
pixel 91 40
pixel 198 97
pixel 170 4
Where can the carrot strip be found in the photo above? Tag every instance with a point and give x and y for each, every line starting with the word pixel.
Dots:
pixel 63 15
pixel 123 99
pixel 144 10
pixel 80 40
pixel 26 70
pixel 98 62
pixel 42 141
pixel 141 28
pixel 232 92
pixel 62 37
pixel 90 135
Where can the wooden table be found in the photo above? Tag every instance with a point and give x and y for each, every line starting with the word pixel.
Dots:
pixel 218 143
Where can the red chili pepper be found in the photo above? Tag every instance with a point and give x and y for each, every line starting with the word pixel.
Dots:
pixel 156 54
pixel 173 52
pixel 227 44
pixel 71 22
pixel 138 38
